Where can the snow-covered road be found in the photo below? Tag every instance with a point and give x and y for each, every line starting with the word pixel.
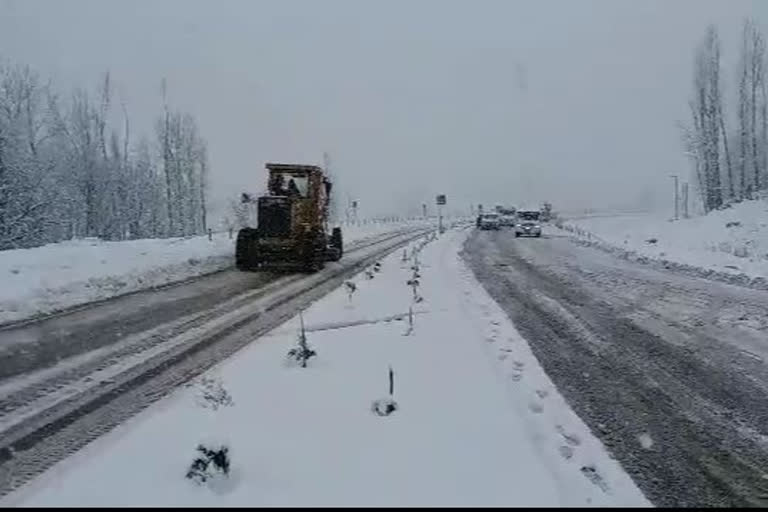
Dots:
pixel 479 423
pixel 40 344
pixel 48 414
pixel 56 277
pixel 668 370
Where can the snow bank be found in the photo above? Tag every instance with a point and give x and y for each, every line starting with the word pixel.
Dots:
pixel 58 276
pixel 478 422
pixel 729 245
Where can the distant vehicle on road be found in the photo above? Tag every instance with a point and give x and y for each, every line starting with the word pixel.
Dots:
pixel 489 221
pixel 528 215
pixel 507 217
pixel 528 229
pixel 528 223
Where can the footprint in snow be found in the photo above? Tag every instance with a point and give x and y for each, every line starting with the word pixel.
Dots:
pixel 595 477
pixel 518 364
pixel 571 439
pixel 543 393
pixel 566 452
pixel 536 407
pixel 503 356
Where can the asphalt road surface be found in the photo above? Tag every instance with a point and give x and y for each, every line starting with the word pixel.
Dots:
pixel 44 343
pixel 668 371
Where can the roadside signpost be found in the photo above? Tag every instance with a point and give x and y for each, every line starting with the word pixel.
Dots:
pixel 441 201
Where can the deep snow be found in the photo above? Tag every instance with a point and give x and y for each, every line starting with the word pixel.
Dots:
pixel 58 276
pixel 479 423
pixel 731 242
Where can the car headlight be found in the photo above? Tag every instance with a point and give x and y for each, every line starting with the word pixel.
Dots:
pixel 537 226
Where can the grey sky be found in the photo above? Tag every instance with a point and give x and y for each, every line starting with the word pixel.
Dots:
pixel 487 101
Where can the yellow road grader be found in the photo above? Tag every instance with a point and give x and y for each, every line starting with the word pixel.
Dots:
pixel 292 230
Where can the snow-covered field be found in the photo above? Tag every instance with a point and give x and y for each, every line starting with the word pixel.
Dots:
pixel 732 243
pixel 57 276
pixel 478 421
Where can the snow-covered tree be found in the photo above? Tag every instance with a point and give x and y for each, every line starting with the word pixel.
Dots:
pixel 753 121
pixel 184 166
pixel 25 191
pixel 69 167
pixel 703 137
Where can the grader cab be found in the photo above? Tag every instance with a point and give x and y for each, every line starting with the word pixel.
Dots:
pixel 293 231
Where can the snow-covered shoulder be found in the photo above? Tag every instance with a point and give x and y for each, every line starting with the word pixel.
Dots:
pixel 419 392
pixel 731 243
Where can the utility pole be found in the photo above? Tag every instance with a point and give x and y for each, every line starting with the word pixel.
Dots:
pixel 424 209
pixel 677 197
pixel 685 199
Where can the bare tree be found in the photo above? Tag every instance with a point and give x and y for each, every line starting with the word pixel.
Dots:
pixel 757 72
pixel 752 101
pixel 728 162
pixel 692 145
pixel 202 156
pixel 23 195
pixel 240 213
pixel 707 122
pixel 744 108
pixel 65 171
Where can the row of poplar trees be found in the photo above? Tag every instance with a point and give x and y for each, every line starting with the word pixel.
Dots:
pixel 727 135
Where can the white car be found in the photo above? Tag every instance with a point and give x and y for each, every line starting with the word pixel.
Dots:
pixel 528 228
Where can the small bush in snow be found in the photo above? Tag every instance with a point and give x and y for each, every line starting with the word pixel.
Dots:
pixel 377 267
pixel 733 224
pixel 302 353
pixel 741 251
pixel 651 241
pixel 409 331
pixel 386 406
pixel 369 274
pixel 351 289
pixel 209 463
pixel 212 394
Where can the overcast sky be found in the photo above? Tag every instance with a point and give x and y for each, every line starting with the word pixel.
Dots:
pixel 509 101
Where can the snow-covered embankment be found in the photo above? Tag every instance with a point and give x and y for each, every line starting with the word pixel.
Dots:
pixel 729 245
